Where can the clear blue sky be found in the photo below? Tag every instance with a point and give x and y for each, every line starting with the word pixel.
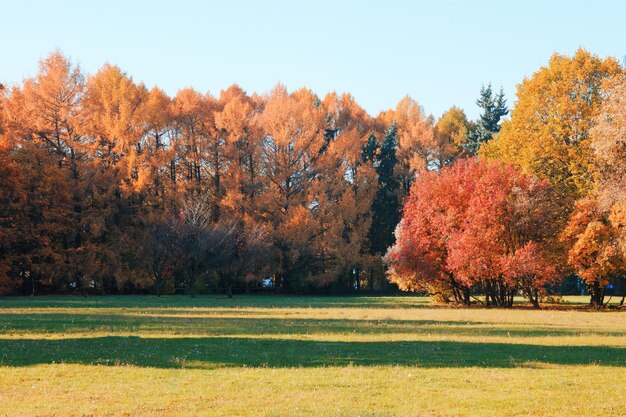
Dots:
pixel 439 52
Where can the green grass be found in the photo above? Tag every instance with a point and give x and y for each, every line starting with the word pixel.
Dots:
pixel 305 356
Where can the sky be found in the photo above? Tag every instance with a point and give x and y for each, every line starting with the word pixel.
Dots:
pixel 438 52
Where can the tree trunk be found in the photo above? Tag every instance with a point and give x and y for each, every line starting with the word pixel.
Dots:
pixel 596 295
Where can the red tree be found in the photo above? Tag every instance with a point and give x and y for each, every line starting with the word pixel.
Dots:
pixel 477 225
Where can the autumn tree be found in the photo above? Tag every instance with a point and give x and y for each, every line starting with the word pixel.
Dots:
pixel 609 144
pixel 293 126
pixel 596 231
pixel 198 146
pixel 42 127
pixel 476 225
pixel 12 201
pixel 550 126
pixel 238 123
pixel 595 252
pixel 195 237
pixel 344 191
pixel 450 134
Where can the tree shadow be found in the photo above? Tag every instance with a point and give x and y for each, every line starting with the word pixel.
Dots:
pixel 268 301
pixel 222 326
pixel 212 352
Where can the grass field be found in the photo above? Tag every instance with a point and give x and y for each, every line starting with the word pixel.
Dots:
pixel 305 356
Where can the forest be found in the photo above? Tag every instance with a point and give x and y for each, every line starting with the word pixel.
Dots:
pixel 110 187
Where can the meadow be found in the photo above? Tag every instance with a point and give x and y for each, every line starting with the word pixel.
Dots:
pixel 306 356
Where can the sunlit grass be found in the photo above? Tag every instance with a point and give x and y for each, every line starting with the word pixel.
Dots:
pixel 272 355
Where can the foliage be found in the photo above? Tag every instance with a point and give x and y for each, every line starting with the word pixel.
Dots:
pixel 477 225
pixel 493 109
pixel 596 231
pixel 550 126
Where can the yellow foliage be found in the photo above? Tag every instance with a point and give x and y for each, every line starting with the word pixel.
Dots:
pixel 548 133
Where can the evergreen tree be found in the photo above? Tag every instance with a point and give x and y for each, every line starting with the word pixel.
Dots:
pixel 386 207
pixel 493 109
pixel 370 149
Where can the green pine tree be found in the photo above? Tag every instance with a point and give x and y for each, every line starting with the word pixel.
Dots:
pixel 386 207
pixel 488 124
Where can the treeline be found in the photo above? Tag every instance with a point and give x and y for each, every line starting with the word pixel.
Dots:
pixel 108 186
pixel 546 197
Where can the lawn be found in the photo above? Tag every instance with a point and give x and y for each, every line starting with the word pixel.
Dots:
pixel 305 356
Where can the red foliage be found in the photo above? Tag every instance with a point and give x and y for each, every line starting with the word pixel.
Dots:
pixel 476 225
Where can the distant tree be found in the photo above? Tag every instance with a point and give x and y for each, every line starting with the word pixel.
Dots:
pixel 238 123
pixel 493 108
pixel 294 128
pixel 12 202
pixel 609 144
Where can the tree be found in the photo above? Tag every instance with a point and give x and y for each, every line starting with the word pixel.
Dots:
pixel 476 225
pixel 493 109
pixel 42 128
pixel 549 130
pixel 294 127
pixel 195 240
pixel 238 123
pixel 594 245
pixel 12 201
pixel 241 254
pixel 159 254
pixel 386 204
pixel 416 142
pixel 596 230
pixel 450 135
pixel 609 144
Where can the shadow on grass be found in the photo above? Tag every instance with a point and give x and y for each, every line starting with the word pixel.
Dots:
pixel 213 301
pixel 218 326
pixel 280 353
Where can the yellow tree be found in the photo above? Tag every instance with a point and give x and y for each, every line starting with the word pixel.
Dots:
pixel 609 143
pixel 549 130
pixel 11 202
pixel 450 134
pixel 45 110
pixel 117 175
